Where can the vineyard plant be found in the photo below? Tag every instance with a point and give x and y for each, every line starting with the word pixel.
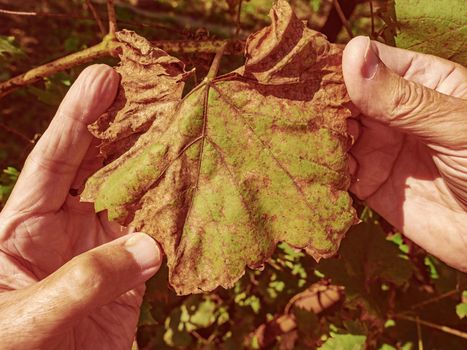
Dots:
pixel 363 285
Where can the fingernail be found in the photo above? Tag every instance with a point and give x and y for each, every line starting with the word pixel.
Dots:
pixel 145 251
pixel 371 62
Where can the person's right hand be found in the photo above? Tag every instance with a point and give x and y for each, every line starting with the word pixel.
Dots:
pixel 410 155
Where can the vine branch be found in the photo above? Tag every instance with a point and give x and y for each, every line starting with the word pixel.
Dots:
pixel 372 20
pixel 16 133
pixel 444 329
pixel 107 48
pixel 237 24
pixel 419 334
pixel 96 17
pixel 102 49
pixel 435 299
pixel 341 14
pixel 112 17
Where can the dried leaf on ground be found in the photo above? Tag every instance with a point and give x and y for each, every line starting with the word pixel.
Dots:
pixel 244 161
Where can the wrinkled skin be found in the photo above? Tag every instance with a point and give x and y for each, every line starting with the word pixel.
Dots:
pixel 56 293
pixel 410 156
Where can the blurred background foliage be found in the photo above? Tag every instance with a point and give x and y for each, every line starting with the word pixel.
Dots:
pixel 381 291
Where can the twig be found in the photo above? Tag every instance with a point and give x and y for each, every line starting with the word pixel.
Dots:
pixel 39 14
pixel 432 300
pixel 96 17
pixel 104 48
pixel 444 329
pixel 419 334
pixel 112 17
pixel 16 133
pixel 239 12
pixel 342 17
pixel 372 19
pixel 107 48
pixel 84 18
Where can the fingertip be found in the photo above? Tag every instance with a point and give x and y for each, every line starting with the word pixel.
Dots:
pixel 354 56
pixel 353 60
pixel 101 85
pixel 146 252
pixel 368 81
pixel 92 93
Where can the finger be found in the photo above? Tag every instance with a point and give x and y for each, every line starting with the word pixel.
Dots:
pixel 410 107
pixel 353 128
pixel 52 165
pixel 427 70
pixel 92 161
pixel 92 280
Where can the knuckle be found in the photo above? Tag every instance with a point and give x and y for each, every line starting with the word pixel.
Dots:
pixel 407 98
pixel 88 272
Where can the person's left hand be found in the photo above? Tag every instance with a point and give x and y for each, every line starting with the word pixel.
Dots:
pixel 68 278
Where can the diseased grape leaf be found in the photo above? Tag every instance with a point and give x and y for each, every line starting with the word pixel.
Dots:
pixel 434 27
pixel 244 161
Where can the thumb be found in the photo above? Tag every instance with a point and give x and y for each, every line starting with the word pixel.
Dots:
pixel 383 95
pixel 95 278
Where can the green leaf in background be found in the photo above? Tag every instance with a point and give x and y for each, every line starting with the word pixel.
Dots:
pixel 145 317
pixel 202 315
pixel 344 342
pixel 434 27
pixel 7 47
pixel 54 90
pixel 461 309
pixel 315 5
pixel 7 181
pixel 9 53
pixel 367 254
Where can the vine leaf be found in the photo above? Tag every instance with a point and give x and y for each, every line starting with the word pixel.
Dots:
pixel 151 86
pixel 244 161
pixel 344 341
pixel 427 27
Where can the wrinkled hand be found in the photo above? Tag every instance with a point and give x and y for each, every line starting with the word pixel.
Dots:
pixel 411 148
pixel 68 278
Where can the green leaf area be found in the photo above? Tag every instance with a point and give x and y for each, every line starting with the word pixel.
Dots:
pixel 344 342
pixel 434 27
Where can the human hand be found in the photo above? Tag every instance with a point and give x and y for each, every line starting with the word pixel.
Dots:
pixel 69 279
pixel 410 155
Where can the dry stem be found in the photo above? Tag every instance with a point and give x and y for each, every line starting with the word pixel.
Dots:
pixel 87 55
pixel 106 48
pixel 112 17
pixel 96 17
pixel 237 24
pixel 342 18
pixel 444 329
pixel 372 19
pixel 16 133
